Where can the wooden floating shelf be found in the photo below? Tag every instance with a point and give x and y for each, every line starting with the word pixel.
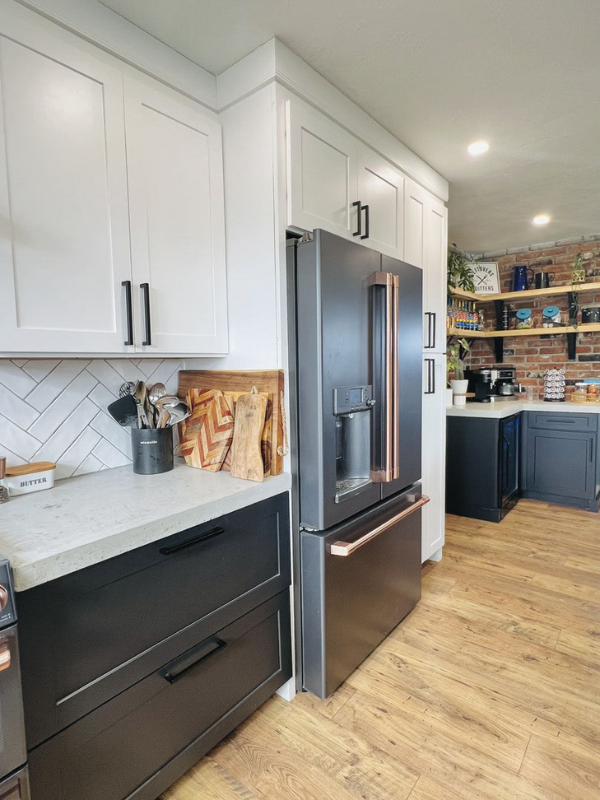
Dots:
pixel 467 334
pixel 592 327
pixel 529 293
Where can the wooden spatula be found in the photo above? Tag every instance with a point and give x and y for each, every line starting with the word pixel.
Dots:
pixel 246 458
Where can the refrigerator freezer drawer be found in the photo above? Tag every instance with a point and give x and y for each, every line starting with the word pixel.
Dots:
pixel 359 580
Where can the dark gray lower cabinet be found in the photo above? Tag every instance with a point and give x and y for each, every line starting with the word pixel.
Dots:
pixel 134 668
pixel 482 470
pixel 560 459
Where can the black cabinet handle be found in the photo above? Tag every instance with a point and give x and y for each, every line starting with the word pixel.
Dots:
pixel 177 668
pixel 367 222
pixel 129 312
pixel 429 315
pixel 358 231
pixel 430 376
pixel 434 316
pixel 145 287
pixel 201 537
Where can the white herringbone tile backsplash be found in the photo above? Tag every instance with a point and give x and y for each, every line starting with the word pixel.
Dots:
pixel 53 410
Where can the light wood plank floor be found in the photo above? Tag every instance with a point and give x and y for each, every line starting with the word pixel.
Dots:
pixel 489 689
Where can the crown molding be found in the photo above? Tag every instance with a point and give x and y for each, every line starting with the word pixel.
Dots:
pixel 273 61
pixel 105 28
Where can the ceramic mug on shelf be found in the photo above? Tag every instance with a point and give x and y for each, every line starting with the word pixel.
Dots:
pixel 543 280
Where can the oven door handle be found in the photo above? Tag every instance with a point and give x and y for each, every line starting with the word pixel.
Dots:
pixel 347 548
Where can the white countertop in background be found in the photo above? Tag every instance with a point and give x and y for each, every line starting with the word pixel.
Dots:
pixel 504 408
pixel 83 521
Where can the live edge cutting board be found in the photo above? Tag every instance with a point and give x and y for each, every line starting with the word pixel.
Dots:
pixel 266 381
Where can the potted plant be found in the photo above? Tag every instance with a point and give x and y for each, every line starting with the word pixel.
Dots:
pixel 460 275
pixel 456 366
pixel 578 270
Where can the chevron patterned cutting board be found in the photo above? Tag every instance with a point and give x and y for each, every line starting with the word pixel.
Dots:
pixel 234 383
pixel 207 434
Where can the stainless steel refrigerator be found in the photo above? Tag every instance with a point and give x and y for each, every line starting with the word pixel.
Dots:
pixel 357 459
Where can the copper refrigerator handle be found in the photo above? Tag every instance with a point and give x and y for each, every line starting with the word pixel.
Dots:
pixel 5 656
pixel 395 378
pixel 347 548
pixel 386 279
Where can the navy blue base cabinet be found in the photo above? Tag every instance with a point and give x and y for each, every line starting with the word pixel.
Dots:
pixel 560 458
pixel 482 475
pixel 135 667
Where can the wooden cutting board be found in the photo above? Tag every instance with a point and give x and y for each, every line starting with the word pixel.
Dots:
pixel 269 382
pixel 205 436
pixel 246 456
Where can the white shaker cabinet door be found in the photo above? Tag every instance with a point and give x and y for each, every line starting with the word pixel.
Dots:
pixel 322 172
pixel 435 272
pixel 64 239
pixel 434 455
pixel 425 246
pixel 175 169
pixel 381 194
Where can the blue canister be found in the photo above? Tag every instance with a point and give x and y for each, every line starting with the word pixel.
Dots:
pixel 521 279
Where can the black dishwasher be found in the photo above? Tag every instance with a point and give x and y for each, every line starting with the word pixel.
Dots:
pixel 482 474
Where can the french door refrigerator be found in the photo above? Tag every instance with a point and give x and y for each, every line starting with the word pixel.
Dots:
pixel 357 379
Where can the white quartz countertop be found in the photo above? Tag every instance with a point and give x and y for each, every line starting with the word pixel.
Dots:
pixel 504 408
pixel 85 520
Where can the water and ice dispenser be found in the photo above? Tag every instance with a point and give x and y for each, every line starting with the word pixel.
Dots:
pixel 351 405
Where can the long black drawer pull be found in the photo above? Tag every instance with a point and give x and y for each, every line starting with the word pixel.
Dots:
pixel 201 537
pixel 177 668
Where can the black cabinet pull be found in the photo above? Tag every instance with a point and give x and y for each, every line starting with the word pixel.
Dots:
pixel 367 222
pixel 129 312
pixel 177 668
pixel 358 231
pixel 429 315
pixel 430 376
pixel 198 539
pixel 434 316
pixel 145 287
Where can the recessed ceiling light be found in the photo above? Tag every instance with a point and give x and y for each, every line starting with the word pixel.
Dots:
pixel 541 219
pixel 478 148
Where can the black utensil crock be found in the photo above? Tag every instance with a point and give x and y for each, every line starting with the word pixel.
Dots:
pixel 152 450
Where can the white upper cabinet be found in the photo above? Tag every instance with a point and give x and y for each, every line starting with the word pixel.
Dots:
pixel 381 195
pixel 174 162
pixel 112 226
pixel 425 246
pixel 322 172
pixel 337 183
pixel 64 241
pixel 435 273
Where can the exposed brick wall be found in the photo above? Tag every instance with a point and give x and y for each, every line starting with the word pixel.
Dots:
pixel 532 355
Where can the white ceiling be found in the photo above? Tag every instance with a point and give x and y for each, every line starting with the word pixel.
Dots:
pixel 439 74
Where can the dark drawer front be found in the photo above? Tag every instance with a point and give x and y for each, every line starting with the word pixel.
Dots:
pixel 96 632
pixel 563 421
pixel 120 746
pixel 351 603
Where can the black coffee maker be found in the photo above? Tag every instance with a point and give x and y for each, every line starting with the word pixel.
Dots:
pixel 491 383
